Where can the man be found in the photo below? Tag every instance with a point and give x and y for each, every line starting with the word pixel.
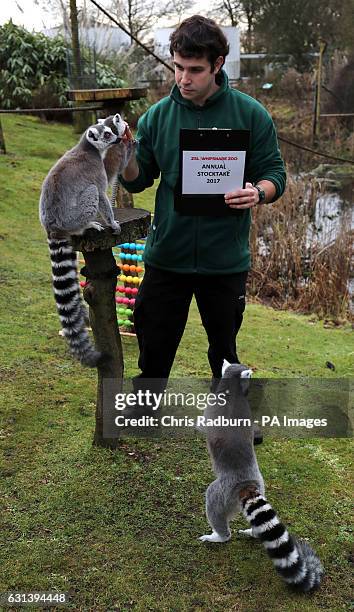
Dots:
pixel 203 256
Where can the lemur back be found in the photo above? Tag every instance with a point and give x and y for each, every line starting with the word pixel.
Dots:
pixel 239 487
pixel 73 195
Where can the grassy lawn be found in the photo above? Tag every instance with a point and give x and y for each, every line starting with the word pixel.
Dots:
pixel 118 530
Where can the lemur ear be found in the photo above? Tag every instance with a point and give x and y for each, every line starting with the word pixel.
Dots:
pixel 245 380
pixel 225 365
pixel 246 373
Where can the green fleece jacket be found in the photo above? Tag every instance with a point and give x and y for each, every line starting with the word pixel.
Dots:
pixel 205 245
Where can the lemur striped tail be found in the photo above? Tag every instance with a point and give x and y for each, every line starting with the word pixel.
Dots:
pixel 294 560
pixel 69 303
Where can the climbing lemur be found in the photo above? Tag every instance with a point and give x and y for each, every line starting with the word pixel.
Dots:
pixel 239 486
pixel 73 195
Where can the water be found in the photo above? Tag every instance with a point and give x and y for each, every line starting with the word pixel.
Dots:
pixel 332 211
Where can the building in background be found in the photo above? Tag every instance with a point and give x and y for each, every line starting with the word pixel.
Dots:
pixel 103 39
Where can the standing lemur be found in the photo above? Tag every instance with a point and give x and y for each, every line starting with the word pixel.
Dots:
pixel 239 486
pixel 73 195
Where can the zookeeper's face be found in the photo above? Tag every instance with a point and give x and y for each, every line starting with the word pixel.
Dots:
pixel 194 77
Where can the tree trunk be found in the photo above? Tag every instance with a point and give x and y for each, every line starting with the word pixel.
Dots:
pixel 81 120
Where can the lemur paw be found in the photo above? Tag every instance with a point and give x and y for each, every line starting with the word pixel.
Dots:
pixel 214 537
pixel 95 225
pixel 247 532
pixel 116 228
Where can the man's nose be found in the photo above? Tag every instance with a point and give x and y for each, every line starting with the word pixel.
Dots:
pixel 185 77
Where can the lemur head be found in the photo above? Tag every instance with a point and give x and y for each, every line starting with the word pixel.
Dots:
pixel 239 373
pixel 100 136
pixel 116 123
pixel 234 370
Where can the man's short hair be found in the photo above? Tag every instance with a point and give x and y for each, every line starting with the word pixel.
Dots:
pixel 199 36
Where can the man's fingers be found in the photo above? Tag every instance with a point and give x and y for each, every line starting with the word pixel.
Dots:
pixel 240 206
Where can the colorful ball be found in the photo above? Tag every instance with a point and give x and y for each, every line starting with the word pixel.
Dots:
pixel 132 245
pixel 125 300
pixel 135 257
pixel 136 280
pixel 132 302
pixel 120 288
pixel 123 278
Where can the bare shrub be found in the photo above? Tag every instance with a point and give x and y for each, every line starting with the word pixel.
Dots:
pixel 290 270
pixel 295 86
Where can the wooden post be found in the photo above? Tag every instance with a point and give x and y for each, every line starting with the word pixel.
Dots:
pixel 317 109
pixel 2 141
pixel 101 272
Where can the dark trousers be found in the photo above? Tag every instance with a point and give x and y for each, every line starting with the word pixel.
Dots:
pixel 161 312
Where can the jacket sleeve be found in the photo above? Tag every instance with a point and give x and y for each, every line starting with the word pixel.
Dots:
pixel 265 161
pixel 148 168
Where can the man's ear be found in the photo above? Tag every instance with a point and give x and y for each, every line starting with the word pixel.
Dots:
pixel 218 64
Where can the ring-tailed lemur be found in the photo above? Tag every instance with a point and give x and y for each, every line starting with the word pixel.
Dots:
pixel 73 194
pixel 118 156
pixel 239 487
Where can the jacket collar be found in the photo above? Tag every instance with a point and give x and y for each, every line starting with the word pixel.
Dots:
pixel 176 96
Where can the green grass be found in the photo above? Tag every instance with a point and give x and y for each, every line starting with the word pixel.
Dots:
pixel 118 530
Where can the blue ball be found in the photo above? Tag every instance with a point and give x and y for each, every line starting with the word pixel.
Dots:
pixel 132 245
pixel 140 257
pixel 128 256
pixel 122 255
pixel 135 257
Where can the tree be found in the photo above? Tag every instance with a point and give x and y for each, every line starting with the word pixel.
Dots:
pixel 140 16
pixel 294 27
pixel 239 12
pixel 230 10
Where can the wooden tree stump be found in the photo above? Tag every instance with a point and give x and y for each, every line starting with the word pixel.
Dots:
pixel 101 272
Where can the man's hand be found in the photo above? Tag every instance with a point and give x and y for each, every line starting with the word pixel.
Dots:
pixel 127 134
pixel 242 198
pixel 131 171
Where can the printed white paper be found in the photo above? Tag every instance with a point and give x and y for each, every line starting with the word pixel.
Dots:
pixel 212 172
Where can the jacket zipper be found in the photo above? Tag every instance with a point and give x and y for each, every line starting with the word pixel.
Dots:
pixel 196 219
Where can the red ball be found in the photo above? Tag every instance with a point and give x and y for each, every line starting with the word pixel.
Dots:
pixel 121 289
pixel 132 302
